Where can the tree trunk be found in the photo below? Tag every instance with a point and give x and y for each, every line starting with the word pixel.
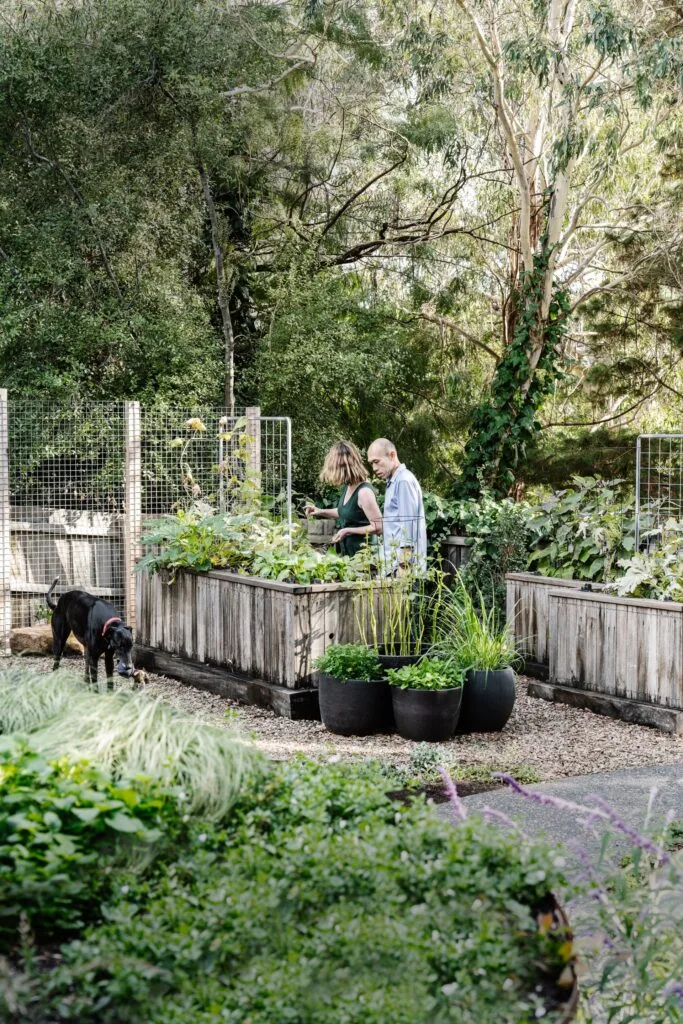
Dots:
pixel 223 291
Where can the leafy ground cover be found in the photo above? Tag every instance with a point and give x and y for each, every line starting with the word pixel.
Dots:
pixel 309 896
pixel 318 900
pixel 314 896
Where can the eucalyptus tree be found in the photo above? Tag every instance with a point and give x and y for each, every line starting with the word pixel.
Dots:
pixel 580 94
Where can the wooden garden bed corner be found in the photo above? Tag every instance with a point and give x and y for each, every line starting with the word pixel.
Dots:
pixel 246 638
pixel 617 656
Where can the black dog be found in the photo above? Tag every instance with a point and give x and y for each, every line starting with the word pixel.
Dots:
pixel 97 626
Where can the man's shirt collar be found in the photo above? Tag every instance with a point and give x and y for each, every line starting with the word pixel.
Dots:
pixel 393 476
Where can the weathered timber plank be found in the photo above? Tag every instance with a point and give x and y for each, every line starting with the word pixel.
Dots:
pixel 629 649
pixel 256 666
pixel 301 625
pixel 666 719
pixel 527 613
pixel 298 704
pixel 270 634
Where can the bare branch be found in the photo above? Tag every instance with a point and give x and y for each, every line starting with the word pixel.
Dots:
pixel 451 325
pixel 359 192
pixel 242 90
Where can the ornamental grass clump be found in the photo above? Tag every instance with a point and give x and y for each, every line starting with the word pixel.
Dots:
pixel 130 734
pixel 28 699
pixel 468 633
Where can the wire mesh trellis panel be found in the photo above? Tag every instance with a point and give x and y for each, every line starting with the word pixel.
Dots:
pixel 76 482
pixel 66 501
pixel 659 484
pixel 204 458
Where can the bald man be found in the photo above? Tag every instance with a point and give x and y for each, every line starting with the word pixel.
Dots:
pixel 404 525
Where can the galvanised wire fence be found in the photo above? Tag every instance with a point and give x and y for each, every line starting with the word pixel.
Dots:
pixel 659 485
pixel 205 458
pixel 66 501
pixel 77 483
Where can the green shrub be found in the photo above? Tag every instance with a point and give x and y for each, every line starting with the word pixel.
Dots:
pixel 581 533
pixel 350 661
pixel 319 902
pixel 63 827
pixel 499 535
pixel 427 674
pixel 500 544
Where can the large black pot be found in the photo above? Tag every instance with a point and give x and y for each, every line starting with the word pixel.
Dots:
pixel 354 707
pixel 488 700
pixel 426 715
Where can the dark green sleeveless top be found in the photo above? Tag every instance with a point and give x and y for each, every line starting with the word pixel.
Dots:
pixel 351 514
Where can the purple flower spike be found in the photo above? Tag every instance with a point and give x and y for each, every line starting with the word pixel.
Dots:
pixel 641 841
pixel 452 793
pixel 498 818
pixel 550 801
pixel 674 990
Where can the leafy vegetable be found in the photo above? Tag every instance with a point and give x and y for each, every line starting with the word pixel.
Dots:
pixel 427 674
pixel 350 661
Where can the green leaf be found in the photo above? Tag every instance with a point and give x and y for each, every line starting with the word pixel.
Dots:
pixel 86 814
pixel 125 823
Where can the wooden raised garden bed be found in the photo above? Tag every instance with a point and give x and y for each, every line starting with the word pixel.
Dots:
pixel 618 656
pixel 247 638
pixel 527 614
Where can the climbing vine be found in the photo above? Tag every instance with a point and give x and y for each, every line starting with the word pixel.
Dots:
pixel 504 424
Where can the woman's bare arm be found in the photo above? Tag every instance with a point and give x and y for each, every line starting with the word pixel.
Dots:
pixel 368 502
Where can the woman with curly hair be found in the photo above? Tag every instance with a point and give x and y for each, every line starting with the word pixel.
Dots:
pixel 357 512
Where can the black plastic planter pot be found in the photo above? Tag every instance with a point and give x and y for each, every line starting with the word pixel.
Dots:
pixel 399 660
pixel 426 715
pixel 488 700
pixel 354 707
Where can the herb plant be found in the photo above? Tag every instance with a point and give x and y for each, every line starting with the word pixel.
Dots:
pixel 350 661
pixel 427 674
pixel 247 542
pixel 656 574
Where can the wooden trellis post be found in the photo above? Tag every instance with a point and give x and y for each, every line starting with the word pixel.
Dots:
pixel 253 431
pixel 5 547
pixel 132 523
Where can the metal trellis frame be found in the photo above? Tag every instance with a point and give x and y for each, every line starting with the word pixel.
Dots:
pixel 77 482
pixel 659 481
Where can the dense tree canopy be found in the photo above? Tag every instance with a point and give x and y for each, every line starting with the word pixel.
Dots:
pixel 455 223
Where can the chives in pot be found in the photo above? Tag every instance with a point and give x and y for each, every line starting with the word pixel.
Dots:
pixel 469 634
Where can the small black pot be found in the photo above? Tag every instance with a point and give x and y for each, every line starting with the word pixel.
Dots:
pixel 488 700
pixel 426 715
pixel 354 707
pixel 388 661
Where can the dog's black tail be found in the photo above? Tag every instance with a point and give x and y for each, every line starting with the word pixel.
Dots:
pixel 52 604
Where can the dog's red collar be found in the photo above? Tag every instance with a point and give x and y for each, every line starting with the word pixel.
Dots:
pixel 108 623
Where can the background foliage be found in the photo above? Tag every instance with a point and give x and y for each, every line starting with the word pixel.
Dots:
pixel 335 173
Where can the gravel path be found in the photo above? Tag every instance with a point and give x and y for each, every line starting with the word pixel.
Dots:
pixel 555 740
